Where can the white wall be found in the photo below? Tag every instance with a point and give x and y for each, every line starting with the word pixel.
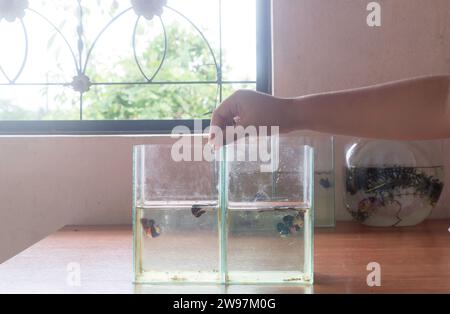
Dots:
pixel 324 45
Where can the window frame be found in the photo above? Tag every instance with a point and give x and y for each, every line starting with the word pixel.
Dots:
pixel 139 127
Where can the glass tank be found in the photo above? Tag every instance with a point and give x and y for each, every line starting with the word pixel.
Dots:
pixel 324 177
pixel 175 214
pixel 391 183
pixel 243 214
pixel 269 211
pixel 324 181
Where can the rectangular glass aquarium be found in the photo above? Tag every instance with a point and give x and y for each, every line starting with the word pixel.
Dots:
pixel 324 179
pixel 243 214
pixel 324 175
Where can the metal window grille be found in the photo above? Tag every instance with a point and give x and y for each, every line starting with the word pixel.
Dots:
pixel 17 11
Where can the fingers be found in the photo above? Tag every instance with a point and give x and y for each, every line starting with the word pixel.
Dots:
pixel 217 129
pixel 238 110
pixel 224 116
pixel 227 111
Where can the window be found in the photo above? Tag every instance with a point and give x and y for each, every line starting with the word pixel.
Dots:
pixel 128 66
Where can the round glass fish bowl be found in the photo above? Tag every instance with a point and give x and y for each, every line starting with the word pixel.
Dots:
pixel 391 183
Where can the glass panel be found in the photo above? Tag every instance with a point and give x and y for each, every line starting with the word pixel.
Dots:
pixel 239 39
pixel 269 211
pixel 324 180
pixel 175 213
pixel 112 59
pixel 186 57
pixel 38 103
pixel 49 58
pixel 229 89
pixel 133 102
pixel 74 44
pixel 324 188
pixel 203 13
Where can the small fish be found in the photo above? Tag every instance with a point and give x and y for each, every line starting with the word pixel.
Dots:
pixel 325 183
pixel 260 196
pixel 299 222
pixel 288 221
pixel 283 229
pixel 301 216
pixel 197 210
pixel 151 229
pixel 291 223
pixel 294 224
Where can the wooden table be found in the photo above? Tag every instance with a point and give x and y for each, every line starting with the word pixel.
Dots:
pixel 415 259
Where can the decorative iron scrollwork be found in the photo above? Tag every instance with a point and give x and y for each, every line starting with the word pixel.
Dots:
pixel 148 8
pixel 18 11
pixel 13 10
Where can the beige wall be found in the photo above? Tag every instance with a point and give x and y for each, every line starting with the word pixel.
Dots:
pixel 319 45
pixel 323 45
pixel 49 182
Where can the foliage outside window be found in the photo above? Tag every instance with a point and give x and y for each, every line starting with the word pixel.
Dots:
pixel 123 60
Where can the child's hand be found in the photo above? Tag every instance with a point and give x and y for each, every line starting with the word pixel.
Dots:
pixel 413 109
pixel 249 108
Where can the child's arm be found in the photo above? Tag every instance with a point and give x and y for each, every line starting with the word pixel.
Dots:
pixel 406 110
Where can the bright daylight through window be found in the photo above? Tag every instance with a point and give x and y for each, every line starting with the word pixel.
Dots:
pixel 124 60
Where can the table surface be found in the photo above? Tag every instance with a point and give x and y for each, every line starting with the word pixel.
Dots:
pixel 413 259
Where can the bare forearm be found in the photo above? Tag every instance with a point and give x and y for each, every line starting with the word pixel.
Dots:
pixel 413 109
